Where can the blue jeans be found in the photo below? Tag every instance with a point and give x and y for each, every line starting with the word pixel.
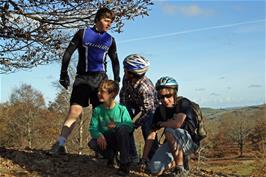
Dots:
pixel 163 156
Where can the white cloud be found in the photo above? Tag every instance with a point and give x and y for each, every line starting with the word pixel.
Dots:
pixel 214 94
pixel 188 10
pixel 255 86
pixel 191 31
pixel 169 8
pixel 200 89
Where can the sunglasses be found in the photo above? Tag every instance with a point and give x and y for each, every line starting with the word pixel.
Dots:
pixel 165 96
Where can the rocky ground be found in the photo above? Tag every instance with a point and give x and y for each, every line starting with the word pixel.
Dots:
pixel 37 163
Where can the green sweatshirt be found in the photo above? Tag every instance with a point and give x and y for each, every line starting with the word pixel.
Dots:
pixel 101 117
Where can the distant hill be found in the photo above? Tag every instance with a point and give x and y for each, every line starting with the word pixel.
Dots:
pixel 259 110
pixel 210 113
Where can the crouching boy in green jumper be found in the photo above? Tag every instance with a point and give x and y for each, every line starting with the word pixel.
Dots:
pixel 110 127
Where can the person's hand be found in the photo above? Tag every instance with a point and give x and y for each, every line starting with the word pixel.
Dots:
pixel 159 124
pixel 64 79
pixel 117 80
pixel 111 125
pixel 102 142
pixel 138 123
pixel 143 163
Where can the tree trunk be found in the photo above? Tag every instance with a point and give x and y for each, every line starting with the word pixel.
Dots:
pixel 241 147
pixel 29 135
pixel 81 133
pixel 241 140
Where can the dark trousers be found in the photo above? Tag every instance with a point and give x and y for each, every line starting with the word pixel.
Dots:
pixel 117 141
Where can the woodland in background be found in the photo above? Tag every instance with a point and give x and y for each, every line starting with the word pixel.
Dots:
pixel 27 122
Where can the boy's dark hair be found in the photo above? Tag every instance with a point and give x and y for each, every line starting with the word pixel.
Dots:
pixel 111 86
pixel 104 13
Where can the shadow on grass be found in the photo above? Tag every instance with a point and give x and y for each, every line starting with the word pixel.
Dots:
pixel 40 163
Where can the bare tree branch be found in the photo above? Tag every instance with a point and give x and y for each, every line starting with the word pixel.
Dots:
pixel 36 32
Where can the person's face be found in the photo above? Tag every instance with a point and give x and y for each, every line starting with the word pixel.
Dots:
pixel 166 97
pixel 104 95
pixel 128 75
pixel 104 24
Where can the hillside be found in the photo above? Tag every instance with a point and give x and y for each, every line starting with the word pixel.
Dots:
pixel 211 113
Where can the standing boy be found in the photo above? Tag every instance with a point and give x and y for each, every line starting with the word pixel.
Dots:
pixel 93 44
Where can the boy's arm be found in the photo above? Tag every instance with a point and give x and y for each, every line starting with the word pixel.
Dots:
pixel 64 78
pixel 175 122
pixel 147 107
pixel 126 120
pixel 112 53
pixel 180 117
pixel 148 144
pixel 93 127
pixel 124 94
pixel 70 50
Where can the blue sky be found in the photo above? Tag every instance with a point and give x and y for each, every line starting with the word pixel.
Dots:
pixel 214 49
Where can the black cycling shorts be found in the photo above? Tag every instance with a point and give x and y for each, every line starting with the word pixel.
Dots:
pixel 85 89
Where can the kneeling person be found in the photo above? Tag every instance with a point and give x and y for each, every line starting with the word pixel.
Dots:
pixel 110 127
pixel 175 116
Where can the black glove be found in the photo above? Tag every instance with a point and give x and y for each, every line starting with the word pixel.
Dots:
pixel 64 79
pixel 137 123
pixel 143 164
pixel 117 80
pixel 158 125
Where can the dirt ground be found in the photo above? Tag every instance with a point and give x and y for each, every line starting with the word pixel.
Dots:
pixel 37 163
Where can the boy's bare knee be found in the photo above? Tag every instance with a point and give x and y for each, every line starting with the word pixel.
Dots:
pixel 73 114
pixel 169 136
pixel 75 111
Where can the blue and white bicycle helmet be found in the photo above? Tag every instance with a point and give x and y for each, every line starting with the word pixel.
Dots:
pixel 166 82
pixel 136 64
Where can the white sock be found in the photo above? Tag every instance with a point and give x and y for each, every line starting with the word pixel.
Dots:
pixel 61 140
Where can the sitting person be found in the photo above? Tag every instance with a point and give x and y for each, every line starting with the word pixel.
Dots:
pixel 176 116
pixel 110 127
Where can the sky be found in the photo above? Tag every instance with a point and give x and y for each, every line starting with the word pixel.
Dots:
pixel 214 49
